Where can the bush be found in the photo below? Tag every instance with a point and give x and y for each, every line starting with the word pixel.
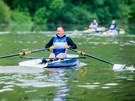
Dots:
pixel 20 21
pixel 40 18
pixel 79 15
pixel 4 13
pixel 104 15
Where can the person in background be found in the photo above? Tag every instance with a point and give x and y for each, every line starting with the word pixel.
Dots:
pixel 59 44
pixel 112 29
pixel 94 25
pixel 112 26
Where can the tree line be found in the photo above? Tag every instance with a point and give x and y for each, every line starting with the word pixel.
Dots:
pixel 66 11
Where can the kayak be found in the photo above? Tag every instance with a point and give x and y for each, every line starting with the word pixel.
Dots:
pixel 70 61
pixel 111 33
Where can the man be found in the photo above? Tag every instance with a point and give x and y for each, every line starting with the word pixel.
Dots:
pixel 59 44
pixel 94 25
pixel 112 26
pixel 112 29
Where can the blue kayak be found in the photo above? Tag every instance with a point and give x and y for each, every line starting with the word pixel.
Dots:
pixel 63 63
pixel 70 61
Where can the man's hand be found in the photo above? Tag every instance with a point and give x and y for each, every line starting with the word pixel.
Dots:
pixel 51 48
pixel 66 47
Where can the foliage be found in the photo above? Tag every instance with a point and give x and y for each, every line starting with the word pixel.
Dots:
pixel 30 6
pixel 78 15
pixel 57 5
pixel 22 19
pixel 56 11
pixel 131 17
pixel 41 17
pixel 74 11
pixel 4 13
pixel 132 12
pixel 104 15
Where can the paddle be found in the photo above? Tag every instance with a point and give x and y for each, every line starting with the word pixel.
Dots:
pixel 45 60
pixel 53 58
pixel 23 53
pixel 116 67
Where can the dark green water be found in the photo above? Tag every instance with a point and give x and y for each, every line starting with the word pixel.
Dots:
pixel 94 82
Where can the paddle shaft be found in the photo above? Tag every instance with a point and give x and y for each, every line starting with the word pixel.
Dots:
pixel 39 50
pixel 99 59
pixel 23 53
pixel 94 57
pixel 53 58
pixel 11 55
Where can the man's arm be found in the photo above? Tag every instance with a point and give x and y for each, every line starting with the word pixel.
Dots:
pixel 71 43
pixel 50 43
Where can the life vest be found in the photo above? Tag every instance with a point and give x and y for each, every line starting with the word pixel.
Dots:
pixel 59 45
pixel 112 26
pixel 94 25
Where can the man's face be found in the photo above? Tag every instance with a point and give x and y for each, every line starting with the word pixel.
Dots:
pixel 95 21
pixel 60 32
pixel 113 21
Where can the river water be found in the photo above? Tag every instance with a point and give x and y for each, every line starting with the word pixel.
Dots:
pixel 96 81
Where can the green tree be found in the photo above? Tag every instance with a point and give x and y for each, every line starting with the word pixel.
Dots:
pixel 131 18
pixel 41 19
pixel 30 6
pixel 132 12
pixel 78 15
pixel 75 11
pixel 103 15
pixel 4 13
pixel 41 16
pixel 56 8
pixel 20 21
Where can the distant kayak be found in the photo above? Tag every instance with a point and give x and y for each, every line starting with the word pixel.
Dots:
pixel 110 33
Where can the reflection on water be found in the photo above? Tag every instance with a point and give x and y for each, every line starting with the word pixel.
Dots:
pixel 36 77
pixel 58 75
pixel 61 92
pixel 58 79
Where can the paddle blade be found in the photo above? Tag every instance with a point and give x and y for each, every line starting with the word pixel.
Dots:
pixel 118 67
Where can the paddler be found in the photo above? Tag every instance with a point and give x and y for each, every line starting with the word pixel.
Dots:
pixel 59 44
